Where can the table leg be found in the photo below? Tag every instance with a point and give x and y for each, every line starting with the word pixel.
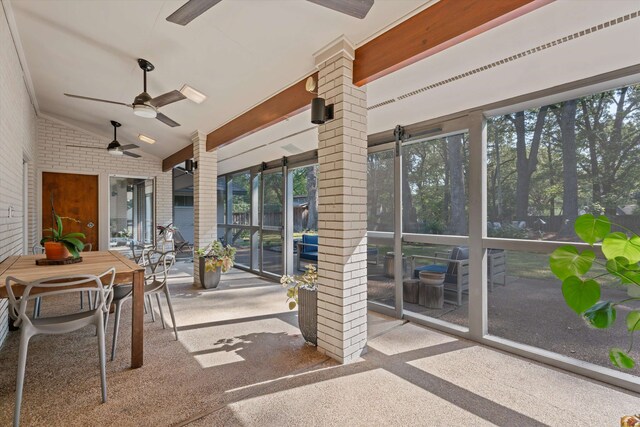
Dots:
pixel 137 321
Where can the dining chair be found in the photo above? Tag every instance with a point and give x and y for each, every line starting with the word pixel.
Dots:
pixel 59 324
pixel 158 265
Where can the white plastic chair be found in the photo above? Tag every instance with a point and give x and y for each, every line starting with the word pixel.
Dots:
pixel 30 326
pixel 157 267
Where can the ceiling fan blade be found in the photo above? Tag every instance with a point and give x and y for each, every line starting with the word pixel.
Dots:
pixel 128 147
pixel 190 11
pixel 166 120
pixel 167 98
pixel 134 155
pixel 85 146
pixel 97 99
pixel 356 8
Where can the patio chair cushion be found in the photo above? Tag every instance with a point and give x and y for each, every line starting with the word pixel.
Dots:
pixel 433 268
pixel 308 242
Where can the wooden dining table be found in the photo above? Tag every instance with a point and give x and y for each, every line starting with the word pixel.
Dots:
pixel 128 272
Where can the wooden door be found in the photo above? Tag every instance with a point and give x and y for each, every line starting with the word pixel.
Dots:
pixel 74 196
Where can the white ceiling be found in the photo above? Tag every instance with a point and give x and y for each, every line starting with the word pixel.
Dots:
pixel 238 53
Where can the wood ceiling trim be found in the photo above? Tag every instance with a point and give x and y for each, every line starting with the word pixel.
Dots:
pixel 433 30
pixel 285 104
pixel 176 158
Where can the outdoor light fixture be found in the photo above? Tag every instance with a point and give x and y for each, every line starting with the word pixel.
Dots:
pixel 319 112
pixel 145 138
pixel 190 165
pixel 145 110
pixel 193 94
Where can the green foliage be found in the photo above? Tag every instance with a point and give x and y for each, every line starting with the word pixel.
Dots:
pixel 307 280
pixel 582 294
pixel 70 240
pixel 217 256
pixel 508 231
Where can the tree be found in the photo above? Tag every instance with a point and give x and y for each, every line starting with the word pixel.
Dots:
pixel 455 163
pixel 567 123
pixel 526 165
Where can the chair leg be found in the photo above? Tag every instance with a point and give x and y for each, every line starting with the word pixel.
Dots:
pixel 36 307
pixel 160 309
pixel 22 364
pixel 116 326
pixel 90 300
pixel 102 357
pixel 153 316
pixel 81 301
pixel 173 317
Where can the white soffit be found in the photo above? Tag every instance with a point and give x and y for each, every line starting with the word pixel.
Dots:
pixel 402 97
pixel 238 53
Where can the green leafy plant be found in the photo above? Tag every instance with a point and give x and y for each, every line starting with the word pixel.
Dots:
pixel 582 293
pixel 307 280
pixel 70 240
pixel 217 256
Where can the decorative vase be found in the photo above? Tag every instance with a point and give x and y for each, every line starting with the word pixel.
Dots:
pixel 308 314
pixel 56 251
pixel 209 279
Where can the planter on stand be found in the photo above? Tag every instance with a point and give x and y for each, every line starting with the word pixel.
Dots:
pixel 209 279
pixel 308 314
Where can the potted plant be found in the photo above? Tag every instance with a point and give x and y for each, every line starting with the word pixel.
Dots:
pixel 302 290
pixel 214 260
pixel 59 246
pixel 581 290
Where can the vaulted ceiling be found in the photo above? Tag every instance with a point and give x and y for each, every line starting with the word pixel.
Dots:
pixel 238 53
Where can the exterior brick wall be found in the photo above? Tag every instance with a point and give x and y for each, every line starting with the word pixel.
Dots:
pixel 17 142
pixel 205 221
pixel 342 219
pixel 55 156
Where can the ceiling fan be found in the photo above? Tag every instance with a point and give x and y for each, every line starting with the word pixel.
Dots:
pixel 114 148
pixel 194 8
pixel 144 105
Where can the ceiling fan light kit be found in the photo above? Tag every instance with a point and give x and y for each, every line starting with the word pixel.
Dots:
pixel 144 110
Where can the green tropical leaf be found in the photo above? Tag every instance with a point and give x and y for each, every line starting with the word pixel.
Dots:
pixel 602 315
pixel 619 245
pixel 620 267
pixel 72 249
pixel 77 243
pixel 59 224
pixel 633 321
pixel 621 359
pixel 566 261
pixel 580 295
pixel 591 229
pixel 292 305
pixel 76 235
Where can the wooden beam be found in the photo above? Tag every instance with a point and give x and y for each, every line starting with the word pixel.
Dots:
pixel 177 158
pixel 436 28
pixel 285 104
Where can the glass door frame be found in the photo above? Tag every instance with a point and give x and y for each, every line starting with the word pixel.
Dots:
pixel 154 203
pixel 268 228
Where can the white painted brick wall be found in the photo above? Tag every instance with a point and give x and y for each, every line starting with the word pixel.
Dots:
pixel 342 219
pixel 205 211
pixel 55 156
pixel 17 142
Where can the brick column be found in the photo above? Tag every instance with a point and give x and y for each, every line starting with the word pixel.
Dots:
pixel 342 207
pixel 205 221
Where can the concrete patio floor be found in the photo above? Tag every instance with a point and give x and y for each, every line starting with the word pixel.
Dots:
pixel 241 361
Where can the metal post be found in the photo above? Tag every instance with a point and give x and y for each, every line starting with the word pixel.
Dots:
pixel 477 225
pixel 398 270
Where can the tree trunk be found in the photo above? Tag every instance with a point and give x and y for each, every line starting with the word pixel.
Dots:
pixel 567 122
pixel 312 194
pixel 458 221
pixel 526 165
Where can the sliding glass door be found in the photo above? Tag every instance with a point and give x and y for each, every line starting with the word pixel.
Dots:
pixel 131 211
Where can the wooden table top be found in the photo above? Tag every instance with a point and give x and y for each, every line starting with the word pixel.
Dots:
pixel 24 267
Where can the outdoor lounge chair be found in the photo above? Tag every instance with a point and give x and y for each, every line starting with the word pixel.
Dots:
pixel 307 249
pixel 181 244
pixel 455 265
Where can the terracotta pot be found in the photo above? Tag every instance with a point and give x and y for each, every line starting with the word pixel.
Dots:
pixel 56 251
